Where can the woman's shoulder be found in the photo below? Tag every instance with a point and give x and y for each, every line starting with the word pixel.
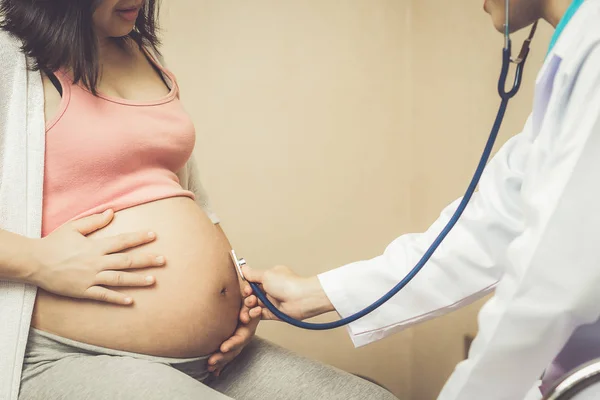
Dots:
pixel 10 51
pixel 9 45
pixel 155 54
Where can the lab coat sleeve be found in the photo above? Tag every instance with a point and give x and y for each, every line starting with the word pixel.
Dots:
pixel 466 266
pixel 552 286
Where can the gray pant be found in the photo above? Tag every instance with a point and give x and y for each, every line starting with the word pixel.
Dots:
pixel 61 369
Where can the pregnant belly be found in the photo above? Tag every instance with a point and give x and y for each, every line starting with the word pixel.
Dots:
pixel 190 311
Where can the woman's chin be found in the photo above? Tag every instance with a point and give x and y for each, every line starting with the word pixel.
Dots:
pixel 121 32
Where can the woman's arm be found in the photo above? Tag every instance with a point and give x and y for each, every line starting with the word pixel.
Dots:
pixel 68 263
pixel 16 260
pixel 465 267
pixel 189 178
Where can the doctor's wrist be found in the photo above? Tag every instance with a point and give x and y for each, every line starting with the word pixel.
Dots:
pixel 316 300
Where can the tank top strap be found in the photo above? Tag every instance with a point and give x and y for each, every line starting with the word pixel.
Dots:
pixel 158 63
pixel 66 80
pixel 66 85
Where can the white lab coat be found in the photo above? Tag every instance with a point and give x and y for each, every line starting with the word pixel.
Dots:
pixel 532 232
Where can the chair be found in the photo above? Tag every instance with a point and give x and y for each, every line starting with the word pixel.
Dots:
pixel 582 383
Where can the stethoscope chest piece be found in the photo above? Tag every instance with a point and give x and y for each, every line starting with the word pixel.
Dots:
pixel 239 263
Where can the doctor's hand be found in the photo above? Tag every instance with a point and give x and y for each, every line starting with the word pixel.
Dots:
pixel 296 296
pixel 249 318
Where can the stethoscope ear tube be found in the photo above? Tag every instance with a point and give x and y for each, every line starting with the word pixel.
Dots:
pixel 519 61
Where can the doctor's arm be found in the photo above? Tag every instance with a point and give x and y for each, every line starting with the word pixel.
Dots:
pixel 464 268
pixel 552 287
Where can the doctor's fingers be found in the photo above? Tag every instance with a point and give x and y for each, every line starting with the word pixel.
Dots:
pixel 252 305
pixel 266 313
pixel 246 289
pixel 253 275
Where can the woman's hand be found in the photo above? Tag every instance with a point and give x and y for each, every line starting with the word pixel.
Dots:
pixel 70 264
pixel 298 297
pixel 232 347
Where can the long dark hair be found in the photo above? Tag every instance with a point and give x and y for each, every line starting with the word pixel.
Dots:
pixel 60 34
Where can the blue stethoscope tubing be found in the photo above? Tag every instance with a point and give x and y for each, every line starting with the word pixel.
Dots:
pixel 505 97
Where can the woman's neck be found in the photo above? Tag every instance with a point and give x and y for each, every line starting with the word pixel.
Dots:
pixel 106 47
pixel 553 10
pixel 114 50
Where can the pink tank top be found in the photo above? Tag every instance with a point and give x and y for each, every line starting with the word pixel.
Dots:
pixel 104 152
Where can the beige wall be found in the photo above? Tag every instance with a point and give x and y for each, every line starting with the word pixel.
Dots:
pixel 316 122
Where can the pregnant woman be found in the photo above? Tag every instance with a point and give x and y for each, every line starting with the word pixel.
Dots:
pixel 104 213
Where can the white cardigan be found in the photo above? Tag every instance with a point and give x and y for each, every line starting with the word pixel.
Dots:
pixel 22 144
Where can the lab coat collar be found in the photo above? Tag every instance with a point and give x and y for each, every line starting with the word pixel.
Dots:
pixel 571 34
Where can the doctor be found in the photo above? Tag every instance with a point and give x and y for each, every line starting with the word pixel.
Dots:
pixel 530 233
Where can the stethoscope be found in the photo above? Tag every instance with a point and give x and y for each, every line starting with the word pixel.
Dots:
pixel 505 96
